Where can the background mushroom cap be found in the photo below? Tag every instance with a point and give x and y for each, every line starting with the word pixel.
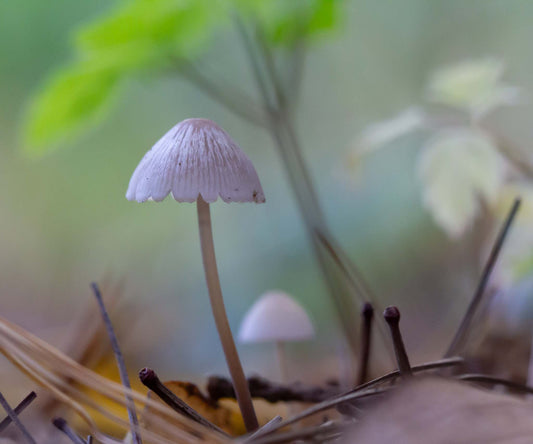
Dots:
pixel 196 157
pixel 276 317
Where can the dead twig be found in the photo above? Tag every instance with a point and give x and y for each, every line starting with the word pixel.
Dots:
pixel 150 379
pixel 464 328
pixel 132 414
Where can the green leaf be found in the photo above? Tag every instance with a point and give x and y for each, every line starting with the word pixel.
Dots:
pixel 73 97
pixel 137 36
pixel 161 28
pixel 458 168
pixel 288 21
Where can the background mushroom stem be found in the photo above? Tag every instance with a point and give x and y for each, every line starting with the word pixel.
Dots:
pixel 282 362
pixel 240 384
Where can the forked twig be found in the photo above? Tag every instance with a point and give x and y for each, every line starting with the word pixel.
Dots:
pixel 14 418
pixel 132 414
pixel 18 409
pixel 464 327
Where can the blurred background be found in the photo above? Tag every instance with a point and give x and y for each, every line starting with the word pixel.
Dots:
pixel 64 220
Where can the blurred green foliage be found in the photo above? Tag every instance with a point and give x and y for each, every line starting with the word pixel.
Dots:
pixel 150 36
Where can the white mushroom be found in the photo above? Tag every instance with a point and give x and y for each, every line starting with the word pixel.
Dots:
pixel 197 161
pixel 196 158
pixel 276 317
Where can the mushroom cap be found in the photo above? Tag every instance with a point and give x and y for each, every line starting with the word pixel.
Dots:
pixel 196 157
pixel 276 317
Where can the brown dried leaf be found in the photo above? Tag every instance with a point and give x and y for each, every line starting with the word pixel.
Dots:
pixel 438 411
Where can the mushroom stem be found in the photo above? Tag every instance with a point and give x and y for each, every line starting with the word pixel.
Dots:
pixel 282 362
pixel 240 384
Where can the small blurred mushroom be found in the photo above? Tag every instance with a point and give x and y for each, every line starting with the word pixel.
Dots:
pixel 276 317
pixel 197 161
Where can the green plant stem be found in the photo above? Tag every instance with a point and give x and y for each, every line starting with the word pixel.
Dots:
pixel 240 384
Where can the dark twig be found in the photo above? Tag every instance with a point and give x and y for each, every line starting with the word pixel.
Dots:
pixel 150 379
pixel 62 425
pixel 134 422
pixel 464 328
pixel 485 379
pixel 392 317
pixel 14 418
pixel 18 409
pixel 366 336
pixel 220 387
pixel 89 440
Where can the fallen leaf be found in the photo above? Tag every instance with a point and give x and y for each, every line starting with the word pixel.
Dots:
pixel 439 411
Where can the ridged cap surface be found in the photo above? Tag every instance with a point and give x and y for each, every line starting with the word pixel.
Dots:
pixel 196 157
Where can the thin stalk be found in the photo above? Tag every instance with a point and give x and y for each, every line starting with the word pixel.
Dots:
pixel 366 336
pixel 464 328
pixel 392 317
pixel 282 362
pixel 233 361
pixel 11 413
pixel 132 414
